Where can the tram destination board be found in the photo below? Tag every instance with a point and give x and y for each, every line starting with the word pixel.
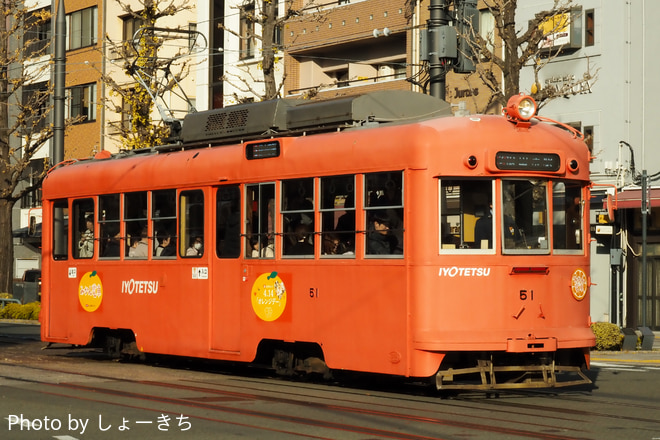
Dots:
pixel 262 150
pixel 505 160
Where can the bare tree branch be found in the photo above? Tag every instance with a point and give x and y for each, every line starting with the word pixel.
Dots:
pixel 520 47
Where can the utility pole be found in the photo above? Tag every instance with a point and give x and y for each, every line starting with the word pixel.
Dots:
pixel 440 46
pixel 645 212
pixel 440 43
pixel 57 155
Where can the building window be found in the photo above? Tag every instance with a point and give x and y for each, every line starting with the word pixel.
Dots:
pixel 82 102
pixel 35 101
pixel 33 198
pixel 589 28
pixel 487 29
pixel 192 37
pixel 130 26
pixel 37 33
pixel 246 31
pixel 126 114
pixel 82 28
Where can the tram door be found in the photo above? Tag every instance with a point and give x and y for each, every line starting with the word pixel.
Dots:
pixel 59 296
pixel 226 271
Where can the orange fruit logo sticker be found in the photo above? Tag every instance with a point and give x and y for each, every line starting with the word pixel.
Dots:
pixel 268 296
pixel 579 284
pixel 90 291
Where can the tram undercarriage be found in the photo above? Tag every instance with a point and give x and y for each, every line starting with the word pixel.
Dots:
pixel 505 371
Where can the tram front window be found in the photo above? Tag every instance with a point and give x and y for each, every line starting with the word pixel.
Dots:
pixel 567 210
pixel 524 216
pixel 466 214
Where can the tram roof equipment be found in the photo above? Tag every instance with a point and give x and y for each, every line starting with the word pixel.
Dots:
pixel 288 116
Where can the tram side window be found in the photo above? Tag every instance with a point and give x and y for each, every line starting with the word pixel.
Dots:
pixel 567 216
pixel 338 216
pixel 525 215
pixel 163 215
pixel 298 217
pixel 383 198
pixel 466 214
pixel 83 231
pixel 260 220
pixel 111 241
pixel 228 222
pixel 191 224
pixel 60 230
pixel 135 219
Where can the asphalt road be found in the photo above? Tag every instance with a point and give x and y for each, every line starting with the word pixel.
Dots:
pixel 69 393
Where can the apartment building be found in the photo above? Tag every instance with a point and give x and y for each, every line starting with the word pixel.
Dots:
pixel 343 48
pixel 180 51
pixel 84 138
pixel 93 30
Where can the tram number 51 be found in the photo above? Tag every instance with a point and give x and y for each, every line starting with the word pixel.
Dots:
pixel 525 295
pixel 313 292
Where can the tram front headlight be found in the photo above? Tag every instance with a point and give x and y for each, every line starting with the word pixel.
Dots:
pixel 522 107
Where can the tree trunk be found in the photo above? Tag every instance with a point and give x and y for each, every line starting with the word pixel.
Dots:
pixel 511 69
pixel 6 238
pixel 6 247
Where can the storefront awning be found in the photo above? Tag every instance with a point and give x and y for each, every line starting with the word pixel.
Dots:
pixel 630 199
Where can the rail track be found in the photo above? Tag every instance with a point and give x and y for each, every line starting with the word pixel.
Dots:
pixel 252 405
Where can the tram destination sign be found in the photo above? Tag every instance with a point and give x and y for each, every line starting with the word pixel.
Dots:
pixel 506 160
pixel 262 150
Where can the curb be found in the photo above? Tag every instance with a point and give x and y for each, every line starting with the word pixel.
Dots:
pixel 19 321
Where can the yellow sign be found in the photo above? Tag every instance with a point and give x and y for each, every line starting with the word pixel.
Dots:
pixel 268 296
pixel 556 31
pixel 90 291
pixel 579 284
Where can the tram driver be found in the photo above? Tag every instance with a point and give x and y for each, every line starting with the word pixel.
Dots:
pixel 483 228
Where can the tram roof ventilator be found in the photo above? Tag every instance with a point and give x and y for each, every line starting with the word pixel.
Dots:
pixel 288 117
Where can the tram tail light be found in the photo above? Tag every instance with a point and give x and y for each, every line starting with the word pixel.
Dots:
pixel 520 107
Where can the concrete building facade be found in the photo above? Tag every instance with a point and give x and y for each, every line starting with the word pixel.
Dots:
pixel 615 41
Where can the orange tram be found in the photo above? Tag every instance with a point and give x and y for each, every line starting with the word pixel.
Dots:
pixel 375 233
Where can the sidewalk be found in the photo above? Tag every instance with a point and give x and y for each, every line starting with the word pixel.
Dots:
pixel 627 357
pixel 31 330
